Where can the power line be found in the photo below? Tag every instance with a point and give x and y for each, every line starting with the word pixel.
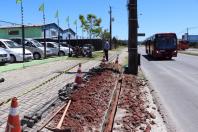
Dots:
pixel 10 22
pixel 188 28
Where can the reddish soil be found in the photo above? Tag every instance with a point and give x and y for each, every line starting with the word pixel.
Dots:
pixel 90 103
pixel 131 100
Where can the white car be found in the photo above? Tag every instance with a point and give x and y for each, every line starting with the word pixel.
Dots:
pixel 34 46
pixel 54 47
pixel 4 56
pixel 15 51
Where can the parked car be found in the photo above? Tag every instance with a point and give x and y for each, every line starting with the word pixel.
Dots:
pixel 4 56
pixel 67 45
pixel 54 47
pixel 15 51
pixel 35 47
pixel 88 46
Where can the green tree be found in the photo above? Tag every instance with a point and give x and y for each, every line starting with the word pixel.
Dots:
pixel 115 42
pixel 91 24
pixel 105 34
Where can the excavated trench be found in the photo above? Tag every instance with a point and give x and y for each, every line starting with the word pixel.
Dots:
pixel 90 103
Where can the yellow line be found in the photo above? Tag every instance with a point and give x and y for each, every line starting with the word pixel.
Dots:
pixel 38 86
pixel 47 81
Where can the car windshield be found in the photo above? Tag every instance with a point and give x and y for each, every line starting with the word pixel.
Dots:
pixel 166 43
pixel 36 43
pixel 63 45
pixel 55 45
pixel 12 44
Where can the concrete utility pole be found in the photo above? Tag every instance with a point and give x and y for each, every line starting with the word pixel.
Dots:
pixel 110 27
pixel 132 38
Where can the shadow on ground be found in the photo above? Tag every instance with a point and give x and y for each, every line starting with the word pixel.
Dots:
pixel 150 58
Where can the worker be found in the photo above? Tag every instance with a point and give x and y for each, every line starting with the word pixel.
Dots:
pixel 106 49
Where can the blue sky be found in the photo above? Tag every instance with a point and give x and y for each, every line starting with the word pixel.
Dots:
pixel 168 16
pixel 154 15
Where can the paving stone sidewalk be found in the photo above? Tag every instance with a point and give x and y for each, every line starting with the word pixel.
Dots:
pixel 22 81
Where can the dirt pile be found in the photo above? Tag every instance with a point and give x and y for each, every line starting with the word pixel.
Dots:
pixel 89 103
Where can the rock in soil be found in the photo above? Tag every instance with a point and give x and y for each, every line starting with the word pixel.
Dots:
pixel 90 102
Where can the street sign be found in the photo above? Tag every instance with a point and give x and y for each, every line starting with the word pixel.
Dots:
pixel 141 34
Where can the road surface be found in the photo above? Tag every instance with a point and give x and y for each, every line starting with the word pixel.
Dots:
pixel 176 83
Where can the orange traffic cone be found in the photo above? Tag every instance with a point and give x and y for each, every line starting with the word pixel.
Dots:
pixel 78 79
pixel 117 58
pixel 13 123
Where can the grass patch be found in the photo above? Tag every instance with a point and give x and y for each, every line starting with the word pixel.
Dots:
pixel 98 54
pixel 119 48
pixel 16 66
pixel 125 61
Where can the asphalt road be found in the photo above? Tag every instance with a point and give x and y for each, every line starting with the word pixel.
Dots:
pixel 176 83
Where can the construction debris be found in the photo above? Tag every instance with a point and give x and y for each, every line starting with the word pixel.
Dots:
pixel 90 102
pixel 106 95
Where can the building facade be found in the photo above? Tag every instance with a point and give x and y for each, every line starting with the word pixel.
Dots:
pixel 190 38
pixel 36 31
pixel 69 33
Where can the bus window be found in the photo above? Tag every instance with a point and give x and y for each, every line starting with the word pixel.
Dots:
pixel 166 43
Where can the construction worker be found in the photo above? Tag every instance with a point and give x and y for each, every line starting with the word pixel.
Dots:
pixel 106 49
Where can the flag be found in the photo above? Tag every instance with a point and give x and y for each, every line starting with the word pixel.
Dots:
pixel 75 22
pixel 56 15
pixel 42 7
pixel 18 1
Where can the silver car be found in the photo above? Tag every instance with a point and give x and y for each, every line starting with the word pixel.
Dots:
pixel 55 49
pixel 15 51
pixel 35 47
pixel 4 56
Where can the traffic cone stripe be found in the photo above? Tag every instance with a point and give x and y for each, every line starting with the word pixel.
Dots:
pixel 13 122
pixel 78 75
pixel 78 79
pixel 10 127
pixel 13 112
